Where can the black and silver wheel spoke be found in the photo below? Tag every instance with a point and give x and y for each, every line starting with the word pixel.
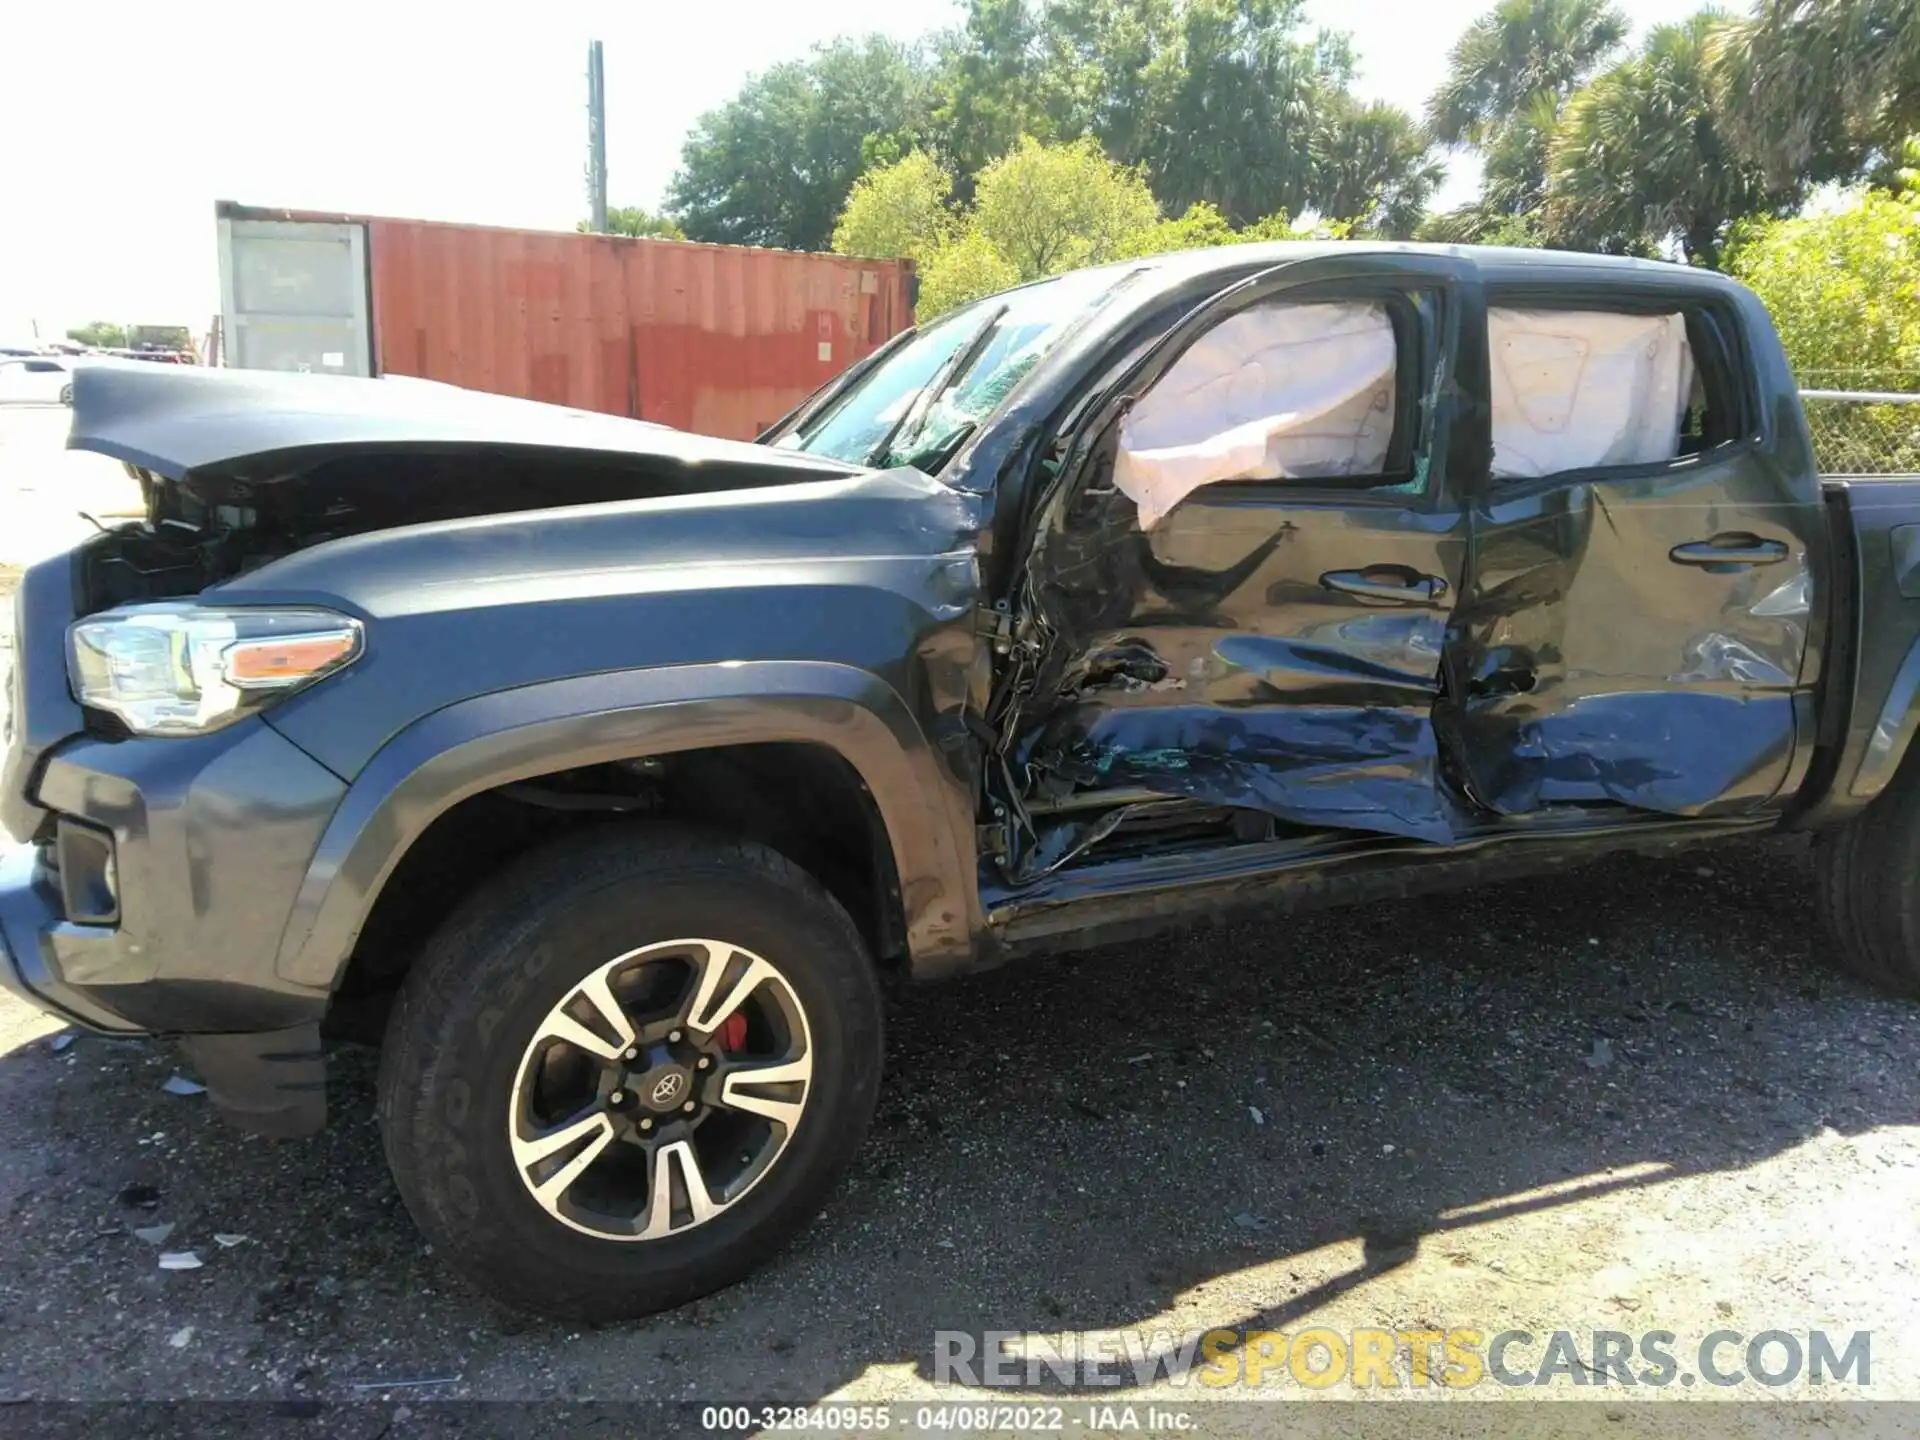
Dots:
pixel 597 991
pixel 711 1005
pixel 738 1086
pixel 551 1186
pixel 667 1159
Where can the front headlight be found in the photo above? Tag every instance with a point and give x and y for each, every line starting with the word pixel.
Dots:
pixel 188 669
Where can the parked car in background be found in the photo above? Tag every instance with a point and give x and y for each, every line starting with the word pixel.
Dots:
pixel 152 355
pixel 36 380
pixel 611 765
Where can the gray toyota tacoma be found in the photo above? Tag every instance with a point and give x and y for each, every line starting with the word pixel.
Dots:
pixel 606 769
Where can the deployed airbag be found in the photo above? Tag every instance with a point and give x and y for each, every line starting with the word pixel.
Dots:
pixel 1574 389
pixel 1281 391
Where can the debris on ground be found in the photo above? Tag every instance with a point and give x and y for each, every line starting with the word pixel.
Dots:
pixel 180 1085
pixel 155 1234
pixel 181 1338
pixel 179 1260
pixel 1601 1056
pixel 226 1240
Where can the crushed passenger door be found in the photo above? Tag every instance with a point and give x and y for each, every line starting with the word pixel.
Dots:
pixel 1640 580
pixel 1253 615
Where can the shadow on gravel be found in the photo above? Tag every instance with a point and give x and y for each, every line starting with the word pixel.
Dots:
pixel 1071 1145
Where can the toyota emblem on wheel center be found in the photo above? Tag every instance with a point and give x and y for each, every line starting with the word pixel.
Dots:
pixel 666 1090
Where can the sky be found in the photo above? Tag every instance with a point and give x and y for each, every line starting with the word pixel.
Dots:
pixel 142 115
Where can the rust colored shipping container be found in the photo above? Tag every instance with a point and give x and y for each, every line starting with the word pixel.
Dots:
pixel 720 339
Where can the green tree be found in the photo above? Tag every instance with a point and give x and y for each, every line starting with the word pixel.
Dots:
pixel 1517 50
pixel 636 221
pixel 1640 158
pixel 897 209
pixel 1103 69
pixel 103 333
pixel 1038 210
pixel 988 90
pixel 1507 78
pixel 1052 208
pixel 1844 289
pixel 1822 89
pixel 1238 105
pixel 966 267
pixel 773 165
pixel 1374 167
pixel 1199 228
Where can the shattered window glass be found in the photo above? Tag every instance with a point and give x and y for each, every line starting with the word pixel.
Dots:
pixel 1031 322
pixel 1034 322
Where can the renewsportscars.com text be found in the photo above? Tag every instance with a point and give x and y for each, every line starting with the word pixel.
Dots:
pixel 1319 1358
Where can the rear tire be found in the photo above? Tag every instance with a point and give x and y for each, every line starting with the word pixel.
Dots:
pixel 1869 888
pixel 493 1057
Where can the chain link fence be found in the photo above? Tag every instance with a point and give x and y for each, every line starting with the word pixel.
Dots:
pixel 1864 422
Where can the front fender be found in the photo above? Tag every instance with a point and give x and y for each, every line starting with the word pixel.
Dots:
pixel 511 735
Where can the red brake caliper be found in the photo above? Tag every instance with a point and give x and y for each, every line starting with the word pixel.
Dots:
pixel 733 1032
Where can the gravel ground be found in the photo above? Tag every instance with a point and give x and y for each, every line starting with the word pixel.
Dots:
pixel 1627 1099
pixel 1633 1102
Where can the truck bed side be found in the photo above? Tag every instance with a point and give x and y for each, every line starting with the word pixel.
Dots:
pixel 1870 710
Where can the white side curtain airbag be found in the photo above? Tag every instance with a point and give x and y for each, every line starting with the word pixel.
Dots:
pixel 1580 388
pixel 1294 391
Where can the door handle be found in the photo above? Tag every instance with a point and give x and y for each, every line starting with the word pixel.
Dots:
pixel 1390 584
pixel 1733 548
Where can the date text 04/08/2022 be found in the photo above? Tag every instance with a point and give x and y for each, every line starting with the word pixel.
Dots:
pixel 954 1416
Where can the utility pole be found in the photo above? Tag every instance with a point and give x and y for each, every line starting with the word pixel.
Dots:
pixel 596 138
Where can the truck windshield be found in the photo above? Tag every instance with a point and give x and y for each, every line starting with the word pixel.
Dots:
pixel 918 405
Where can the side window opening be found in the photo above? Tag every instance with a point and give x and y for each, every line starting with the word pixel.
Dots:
pixel 1579 390
pixel 1287 391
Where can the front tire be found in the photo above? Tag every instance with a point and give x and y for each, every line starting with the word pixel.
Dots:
pixel 1869 888
pixel 627 1071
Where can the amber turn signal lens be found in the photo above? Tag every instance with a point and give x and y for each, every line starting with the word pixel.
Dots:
pixel 270 659
pixel 184 669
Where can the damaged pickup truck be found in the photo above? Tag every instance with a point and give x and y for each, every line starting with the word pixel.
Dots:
pixel 608 767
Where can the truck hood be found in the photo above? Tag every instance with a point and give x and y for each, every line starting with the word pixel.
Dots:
pixel 174 421
pixel 244 469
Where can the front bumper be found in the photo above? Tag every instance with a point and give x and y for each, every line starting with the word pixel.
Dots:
pixel 212 842
pixel 270 1082
pixel 30 916
pixel 155 877
pixel 211 837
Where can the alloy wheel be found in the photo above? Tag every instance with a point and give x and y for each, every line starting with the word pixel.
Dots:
pixel 660 1090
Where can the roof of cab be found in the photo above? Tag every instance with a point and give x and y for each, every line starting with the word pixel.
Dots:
pixel 1497 264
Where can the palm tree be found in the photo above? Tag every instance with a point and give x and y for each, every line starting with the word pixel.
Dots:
pixel 1507 78
pixel 1516 51
pixel 1374 165
pixel 1825 89
pixel 1639 158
